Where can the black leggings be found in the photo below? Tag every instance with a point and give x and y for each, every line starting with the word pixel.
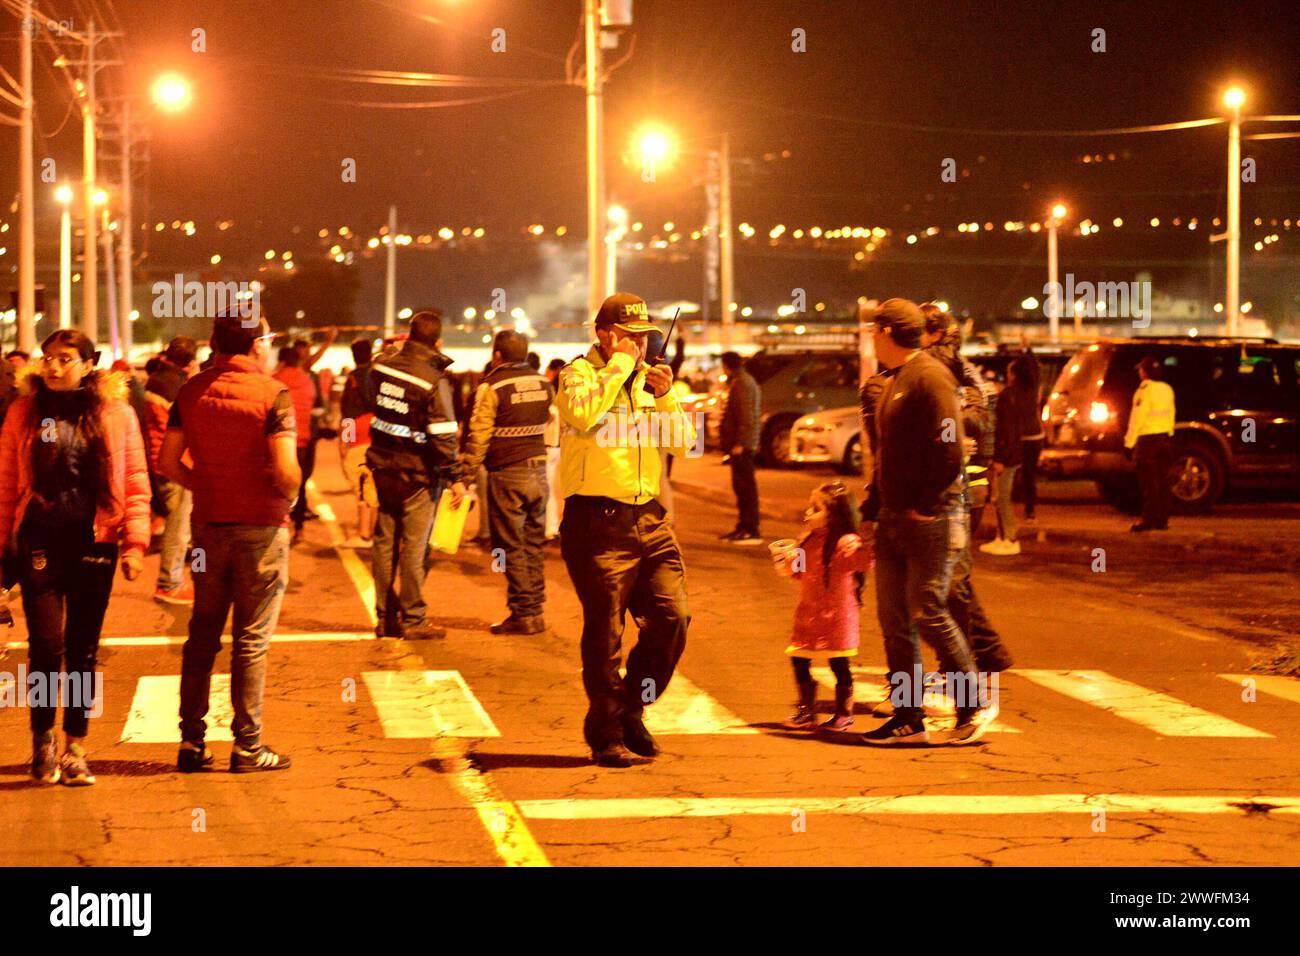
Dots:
pixel 839 667
pixel 66 579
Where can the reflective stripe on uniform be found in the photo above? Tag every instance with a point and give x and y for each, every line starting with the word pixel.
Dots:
pixel 404 376
pixel 442 428
pixel 390 428
pixel 519 431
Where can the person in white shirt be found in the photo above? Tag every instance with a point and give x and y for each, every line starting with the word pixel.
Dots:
pixel 1150 438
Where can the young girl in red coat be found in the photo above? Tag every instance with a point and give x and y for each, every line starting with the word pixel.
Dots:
pixel 74 502
pixel 830 562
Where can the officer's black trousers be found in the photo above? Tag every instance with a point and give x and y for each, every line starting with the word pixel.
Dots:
pixel 624 558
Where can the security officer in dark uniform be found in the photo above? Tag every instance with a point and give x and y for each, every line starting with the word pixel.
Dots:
pixel 511 407
pixel 616 414
pixel 412 453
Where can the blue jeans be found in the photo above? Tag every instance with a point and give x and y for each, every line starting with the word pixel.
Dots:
pixel 517 518
pixel 247 567
pixel 401 544
pixel 176 533
pixel 1003 481
pixel 915 558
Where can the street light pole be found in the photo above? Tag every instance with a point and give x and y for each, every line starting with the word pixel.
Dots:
pixel 1054 306
pixel 64 195
pixel 595 162
pixel 726 247
pixel 1234 100
pixel 125 252
pixel 89 274
pixel 27 186
pixel 110 290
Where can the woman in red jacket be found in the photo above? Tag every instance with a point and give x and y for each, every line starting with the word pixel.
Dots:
pixel 74 491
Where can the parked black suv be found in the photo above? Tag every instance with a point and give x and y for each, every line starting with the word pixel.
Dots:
pixel 1237 403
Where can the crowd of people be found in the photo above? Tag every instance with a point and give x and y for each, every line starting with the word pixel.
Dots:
pixel 215 458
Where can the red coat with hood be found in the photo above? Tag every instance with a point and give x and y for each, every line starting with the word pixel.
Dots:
pixel 124 521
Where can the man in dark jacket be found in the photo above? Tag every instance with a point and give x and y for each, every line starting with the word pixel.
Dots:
pixel 978 418
pixel 412 453
pixel 506 435
pixel 916 501
pixel 740 434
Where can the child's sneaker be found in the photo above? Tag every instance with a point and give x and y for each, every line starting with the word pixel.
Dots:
pixel 73 769
pixel 838 724
pixel 45 758
pixel 803 719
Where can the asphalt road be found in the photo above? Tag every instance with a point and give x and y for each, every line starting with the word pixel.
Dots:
pixel 1134 729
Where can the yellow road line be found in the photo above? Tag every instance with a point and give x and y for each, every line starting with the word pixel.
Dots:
pixel 906 804
pixel 1166 715
pixel 504 823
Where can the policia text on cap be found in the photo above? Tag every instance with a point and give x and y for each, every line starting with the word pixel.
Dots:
pixel 619 548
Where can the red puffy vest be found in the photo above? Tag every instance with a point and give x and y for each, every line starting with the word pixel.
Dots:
pixel 224 411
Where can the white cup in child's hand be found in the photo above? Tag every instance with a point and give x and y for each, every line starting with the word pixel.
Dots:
pixel 781 551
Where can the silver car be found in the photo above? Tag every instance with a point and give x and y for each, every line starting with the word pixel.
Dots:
pixel 832 437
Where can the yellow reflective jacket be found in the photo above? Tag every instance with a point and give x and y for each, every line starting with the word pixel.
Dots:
pixel 608 447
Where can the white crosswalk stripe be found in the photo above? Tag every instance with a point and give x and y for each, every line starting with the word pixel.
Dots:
pixel 415 705
pixel 870 689
pixel 686 709
pixel 154 715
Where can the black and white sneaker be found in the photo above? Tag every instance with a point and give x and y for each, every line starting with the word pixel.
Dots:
pixel 257 761
pixel 898 732
pixel 745 538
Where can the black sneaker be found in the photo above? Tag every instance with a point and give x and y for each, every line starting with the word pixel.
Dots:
pixel 45 758
pixel 972 723
pixel 257 761
pixel 637 739
pixel 612 755
pixel 193 758
pixel 730 535
pixel 898 732
pixel 746 538
pixel 535 624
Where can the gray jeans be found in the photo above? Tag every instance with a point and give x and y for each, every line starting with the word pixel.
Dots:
pixel 915 559
pixel 176 533
pixel 517 517
pixel 245 567
pixel 401 544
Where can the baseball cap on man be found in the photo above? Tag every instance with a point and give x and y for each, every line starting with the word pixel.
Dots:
pixel 625 311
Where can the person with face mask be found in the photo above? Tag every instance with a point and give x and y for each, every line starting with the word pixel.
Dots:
pixel 237 423
pixel 74 501
pixel 617 414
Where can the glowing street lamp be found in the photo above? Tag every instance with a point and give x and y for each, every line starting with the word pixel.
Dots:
pixel 655 148
pixel 1234 98
pixel 172 93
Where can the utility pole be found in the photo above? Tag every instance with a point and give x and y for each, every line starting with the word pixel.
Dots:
pixel 390 284
pixel 27 187
pixel 114 340
pixel 727 270
pixel 596 291
pixel 89 274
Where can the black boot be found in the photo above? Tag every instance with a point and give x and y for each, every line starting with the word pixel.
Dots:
pixel 804 717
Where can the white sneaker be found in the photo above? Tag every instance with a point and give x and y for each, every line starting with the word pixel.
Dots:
pixel 357 543
pixel 1001 547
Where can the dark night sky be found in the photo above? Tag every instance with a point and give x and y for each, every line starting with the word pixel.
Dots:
pixel 264 141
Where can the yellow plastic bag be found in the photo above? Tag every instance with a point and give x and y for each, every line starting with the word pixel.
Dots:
pixel 449 525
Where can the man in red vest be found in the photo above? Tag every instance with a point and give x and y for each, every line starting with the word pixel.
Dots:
pixel 237 423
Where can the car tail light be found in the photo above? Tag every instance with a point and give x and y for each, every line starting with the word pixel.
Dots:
pixel 1099 413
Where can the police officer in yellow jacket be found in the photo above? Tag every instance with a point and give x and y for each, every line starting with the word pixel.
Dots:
pixel 1150 439
pixel 616 413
